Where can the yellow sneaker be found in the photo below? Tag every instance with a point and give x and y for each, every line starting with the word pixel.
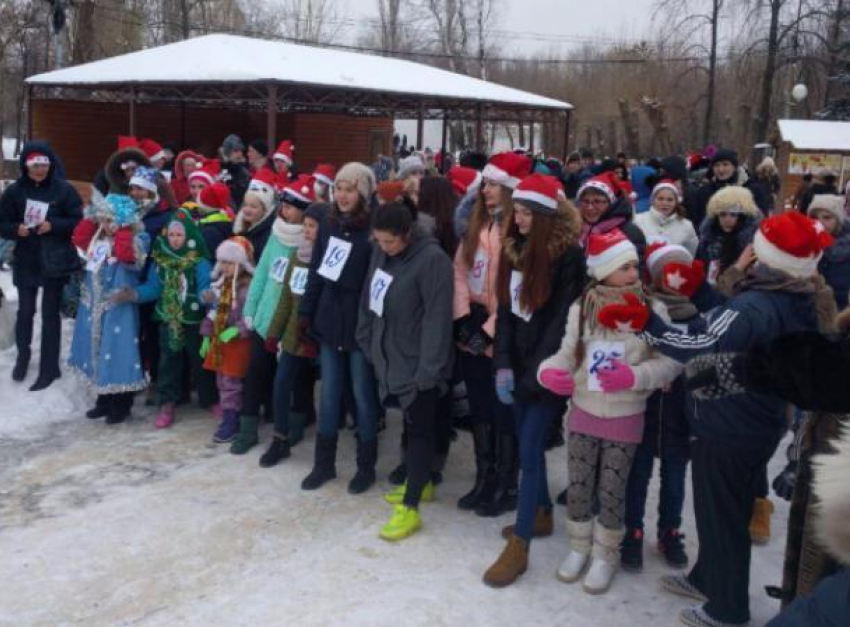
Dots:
pixel 405 521
pixel 396 496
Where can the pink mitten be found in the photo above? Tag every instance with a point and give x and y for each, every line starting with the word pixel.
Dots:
pixel 617 377
pixel 558 381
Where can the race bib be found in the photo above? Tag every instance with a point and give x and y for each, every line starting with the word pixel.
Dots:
pixel 335 258
pixel 96 255
pixel 278 270
pixel 516 289
pixel 381 282
pixel 478 273
pixel 599 357
pixel 713 272
pixel 298 281
pixel 35 212
pixel 184 288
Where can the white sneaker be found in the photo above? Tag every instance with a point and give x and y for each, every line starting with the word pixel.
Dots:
pixel 599 576
pixel 571 567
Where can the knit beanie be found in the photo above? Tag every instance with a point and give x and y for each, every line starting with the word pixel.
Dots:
pixel 659 253
pixel 231 144
pixel 832 203
pixel 410 165
pixel 725 154
pixel 317 211
pixel 359 175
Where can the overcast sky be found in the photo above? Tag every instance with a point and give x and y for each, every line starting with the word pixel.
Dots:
pixel 557 24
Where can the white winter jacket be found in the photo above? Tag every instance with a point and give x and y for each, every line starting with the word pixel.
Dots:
pixel 652 370
pixel 673 228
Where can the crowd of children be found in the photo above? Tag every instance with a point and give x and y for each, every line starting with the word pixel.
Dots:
pixel 543 306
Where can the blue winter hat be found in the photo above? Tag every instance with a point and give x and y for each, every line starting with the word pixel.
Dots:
pixel 145 178
pixel 123 209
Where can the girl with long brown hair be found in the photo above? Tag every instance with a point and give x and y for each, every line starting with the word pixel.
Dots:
pixel 476 267
pixel 541 272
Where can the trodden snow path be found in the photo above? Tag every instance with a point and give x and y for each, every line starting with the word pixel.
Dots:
pixel 127 525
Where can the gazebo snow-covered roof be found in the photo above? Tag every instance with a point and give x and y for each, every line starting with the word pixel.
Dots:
pixel 229 71
pixel 816 134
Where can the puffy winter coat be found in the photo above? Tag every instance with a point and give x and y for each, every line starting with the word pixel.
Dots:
pixel 651 369
pixel 409 342
pixel 332 304
pixel 673 228
pixel 521 345
pixel 52 255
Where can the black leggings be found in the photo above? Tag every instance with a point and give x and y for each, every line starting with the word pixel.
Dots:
pixel 51 324
pixel 419 419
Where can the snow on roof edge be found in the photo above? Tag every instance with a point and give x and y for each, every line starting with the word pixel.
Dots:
pixel 252 71
pixel 816 134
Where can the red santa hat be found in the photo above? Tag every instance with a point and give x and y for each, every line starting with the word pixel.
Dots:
pixel 37 158
pixel 607 183
pixel 668 184
pixel 792 243
pixel 284 152
pixel 507 168
pixel 299 193
pixel 325 173
pixel 127 141
pixel 607 252
pixel 216 197
pixel 265 181
pixel 207 172
pixel 464 179
pixel 540 193
pixel 153 151
pixel 659 253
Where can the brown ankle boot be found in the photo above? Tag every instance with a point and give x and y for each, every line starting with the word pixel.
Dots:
pixel 511 564
pixel 760 521
pixel 543 524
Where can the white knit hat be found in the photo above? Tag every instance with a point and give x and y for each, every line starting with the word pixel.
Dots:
pixel 359 175
pixel 832 203
pixel 410 165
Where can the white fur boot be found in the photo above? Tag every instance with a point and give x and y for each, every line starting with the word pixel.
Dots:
pixel 606 556
pixel 580 543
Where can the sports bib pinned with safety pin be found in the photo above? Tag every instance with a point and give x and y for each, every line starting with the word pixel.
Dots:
pixel 336 256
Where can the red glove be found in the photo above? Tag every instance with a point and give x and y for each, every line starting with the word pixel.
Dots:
pixel 683 279
pixel 628 317
pixel 272 344
pixel 122 246
pixel 83 233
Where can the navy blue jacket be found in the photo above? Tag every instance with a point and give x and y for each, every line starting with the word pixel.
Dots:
pixel 51 255
pixel 749 320
pixel 827 606
pixel 835 266
pixel 332 306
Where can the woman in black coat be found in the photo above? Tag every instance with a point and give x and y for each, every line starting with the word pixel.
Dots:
pixel 39 212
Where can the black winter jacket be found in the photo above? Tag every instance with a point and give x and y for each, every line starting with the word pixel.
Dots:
pixel 332 306
pixel 696 213
pixel 51 255
pixel 521 346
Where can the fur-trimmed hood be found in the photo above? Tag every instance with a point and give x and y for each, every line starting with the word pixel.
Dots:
pixel 833 509
pixel 730 197
pixel 118 183
pixel 565 233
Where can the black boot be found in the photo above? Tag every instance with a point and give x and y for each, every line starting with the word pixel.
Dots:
pixel 324 464
pixel 562 497
pixel 44 381
pixel 367 457
pixel 505 494
pixel 100 409
pixel 631 551
pixel 22 364
pixel 398 474
pixel 119 408
pixel 485 469
pixel 672 547
pixel 278 450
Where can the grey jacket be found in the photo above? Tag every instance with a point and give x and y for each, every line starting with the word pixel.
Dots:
pixel 410 344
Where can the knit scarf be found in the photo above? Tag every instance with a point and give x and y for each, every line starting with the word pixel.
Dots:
pixel 290 235
pixel 765 278
pixel 173 269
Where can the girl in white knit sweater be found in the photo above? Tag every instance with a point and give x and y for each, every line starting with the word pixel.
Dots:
pixel 666 218
pixel 609 374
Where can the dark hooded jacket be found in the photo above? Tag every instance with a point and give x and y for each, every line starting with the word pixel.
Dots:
pixel 48 256
pixel 696 214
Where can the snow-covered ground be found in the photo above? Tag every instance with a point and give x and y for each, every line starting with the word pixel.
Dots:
pixel 126 525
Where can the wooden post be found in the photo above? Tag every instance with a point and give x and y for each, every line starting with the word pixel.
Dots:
pixel 29 113
pixel 531 139
pixel 566 135
pixel 444 161
pixel 420 127
pixel 479 128
pixel 271 116
pixel 132 112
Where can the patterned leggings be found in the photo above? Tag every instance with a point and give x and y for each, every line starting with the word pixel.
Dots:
pixel 600 468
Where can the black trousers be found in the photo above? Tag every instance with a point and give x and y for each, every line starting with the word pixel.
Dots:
pixel 260 378
pixel 51 324
pixel 419 419
pixel 725 482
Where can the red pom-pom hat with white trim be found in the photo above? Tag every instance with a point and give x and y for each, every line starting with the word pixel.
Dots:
pixel 607 252
pixel 792 243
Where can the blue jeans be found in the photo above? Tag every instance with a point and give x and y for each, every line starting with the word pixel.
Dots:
pixel 532 427
pixel 674 465
pixel 288 369
pixel 333 364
